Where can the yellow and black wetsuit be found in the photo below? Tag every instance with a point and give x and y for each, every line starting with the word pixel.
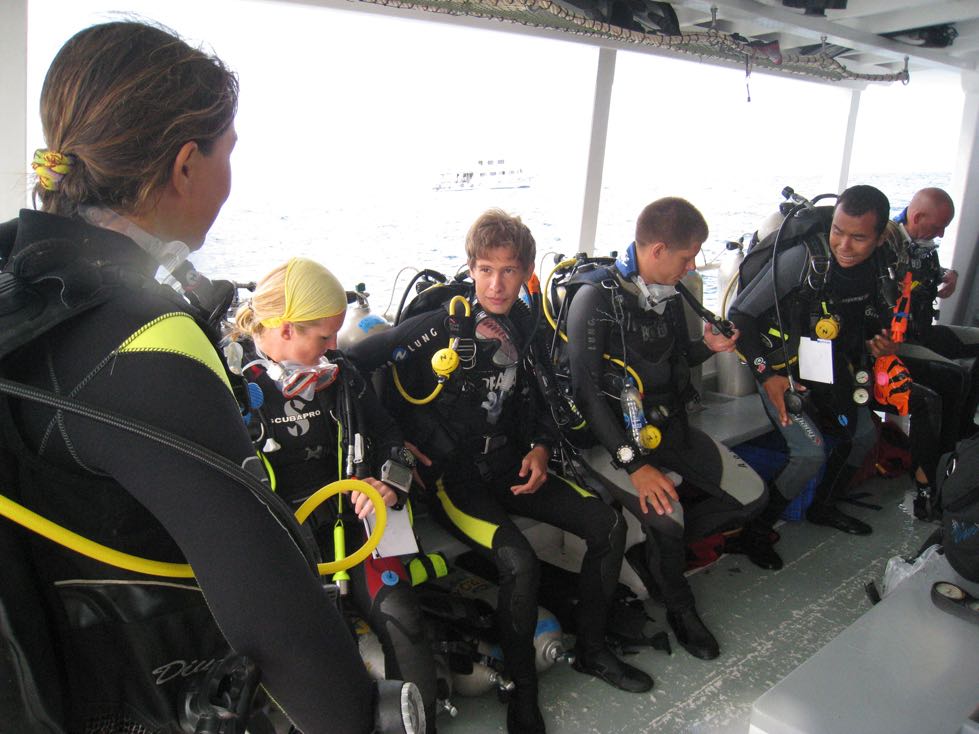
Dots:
pixel 141 354
pixel 477 432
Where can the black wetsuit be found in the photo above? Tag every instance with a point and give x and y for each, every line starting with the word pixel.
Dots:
pixel 932 348
pixel 307 456
pixel 477 432
pixel 138 496
pixel 854 296
pixel 719 491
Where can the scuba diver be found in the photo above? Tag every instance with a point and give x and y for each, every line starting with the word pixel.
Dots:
pixel 484 439
pixel 834 290
pixel 288 333
pixel 932 348
pixel 628 347
pixel 139 128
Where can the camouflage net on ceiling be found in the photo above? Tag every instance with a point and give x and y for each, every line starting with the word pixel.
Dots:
pixel 710 44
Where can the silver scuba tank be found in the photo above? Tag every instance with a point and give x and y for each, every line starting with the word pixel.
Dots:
pixel 481 680
pixel 360 321
pixel 548 638
pixel 733 376
pixel 372 653
pixel 370 649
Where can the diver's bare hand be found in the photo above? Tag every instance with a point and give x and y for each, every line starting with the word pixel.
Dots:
pixel 882 345
pixel 654 489
pixel 422 458
pixel 775 387
pixel 535 465
pixel 362 504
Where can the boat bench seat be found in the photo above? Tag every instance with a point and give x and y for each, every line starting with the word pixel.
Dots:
pixel 731 420
pixel 904 667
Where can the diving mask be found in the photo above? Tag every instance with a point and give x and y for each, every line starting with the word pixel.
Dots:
pixel 490 329
pixel 301 380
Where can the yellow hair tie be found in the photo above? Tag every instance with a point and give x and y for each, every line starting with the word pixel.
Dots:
pixel 50 167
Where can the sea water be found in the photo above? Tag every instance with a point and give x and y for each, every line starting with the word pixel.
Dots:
pixel 372 237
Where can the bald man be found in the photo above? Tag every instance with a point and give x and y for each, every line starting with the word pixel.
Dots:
pixel 931 210
pixel 929 355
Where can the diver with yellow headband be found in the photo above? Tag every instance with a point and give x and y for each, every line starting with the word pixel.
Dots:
pixel 315 404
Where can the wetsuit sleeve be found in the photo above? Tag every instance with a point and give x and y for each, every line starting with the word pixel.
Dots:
pixel 758 298
pixel 381 428
pixel 590 325
pixel 265 598
pixel 394 345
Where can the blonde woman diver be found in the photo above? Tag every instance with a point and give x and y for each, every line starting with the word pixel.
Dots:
pixel 288 332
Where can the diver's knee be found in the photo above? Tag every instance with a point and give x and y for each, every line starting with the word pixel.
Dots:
pixel 517 563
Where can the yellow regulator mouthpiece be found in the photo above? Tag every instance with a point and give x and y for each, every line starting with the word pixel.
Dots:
pixel 445 361
pixel 650 436
pixel 828 327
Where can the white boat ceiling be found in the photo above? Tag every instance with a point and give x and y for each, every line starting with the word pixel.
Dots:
pixel 864 42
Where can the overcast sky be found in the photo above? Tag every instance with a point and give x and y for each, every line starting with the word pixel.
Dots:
pixel 334 100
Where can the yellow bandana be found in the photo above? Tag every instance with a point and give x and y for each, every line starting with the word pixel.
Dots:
pixel 312 292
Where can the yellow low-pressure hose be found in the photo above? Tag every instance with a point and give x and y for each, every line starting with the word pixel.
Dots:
pixel 73 541
pixel 553 321
pixel 86 547
pixel 444 361
pixel 380 510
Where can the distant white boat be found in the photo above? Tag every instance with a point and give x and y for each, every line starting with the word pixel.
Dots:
pixel 486 174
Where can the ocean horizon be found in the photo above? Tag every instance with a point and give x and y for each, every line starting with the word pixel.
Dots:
pixel 373 238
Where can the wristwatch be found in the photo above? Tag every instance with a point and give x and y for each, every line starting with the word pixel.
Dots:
pixel 625 454
pixel 403 455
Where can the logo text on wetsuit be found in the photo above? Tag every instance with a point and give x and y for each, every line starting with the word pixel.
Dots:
pixel 401 352
pixel 182 669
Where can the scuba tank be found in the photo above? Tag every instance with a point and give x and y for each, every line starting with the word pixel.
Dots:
pixel 460 666
pixel 733 376
pixel 548 641
pixel 369 646
pixel 360 321
pixel 372 653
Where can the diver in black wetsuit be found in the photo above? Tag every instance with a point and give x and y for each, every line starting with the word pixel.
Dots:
pixel 852 295
pixel 932 349
pixel 139 122
pixel 484 441
pixel 285 328
pixel 625 324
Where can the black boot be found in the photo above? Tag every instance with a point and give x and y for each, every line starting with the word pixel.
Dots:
pixel 830 516
pixel 925 507
pixel 692 633
pixel 605 665
pixel 836 481
pixel 758 546
pixel 523 715
pixel 758 538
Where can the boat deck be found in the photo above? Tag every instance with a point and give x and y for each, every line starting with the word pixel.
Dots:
pixel 767 623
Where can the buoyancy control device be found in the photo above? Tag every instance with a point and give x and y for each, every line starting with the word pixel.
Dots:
pixel 109 633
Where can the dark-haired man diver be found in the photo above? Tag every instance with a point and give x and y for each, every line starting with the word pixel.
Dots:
pixel 626 323
pixel 484 441
pixel 851 295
